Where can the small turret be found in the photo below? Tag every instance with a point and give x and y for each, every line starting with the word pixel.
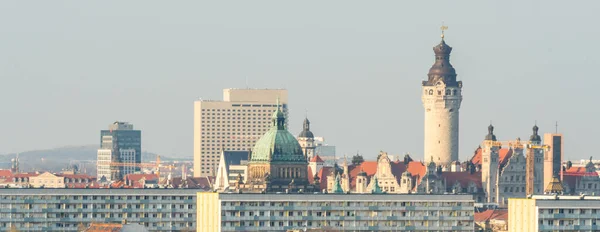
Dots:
pixel 490 135
pixel 535 137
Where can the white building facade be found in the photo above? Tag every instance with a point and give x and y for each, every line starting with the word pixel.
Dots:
pixel 441 97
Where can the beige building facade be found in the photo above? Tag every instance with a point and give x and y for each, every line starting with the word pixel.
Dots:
pixel 554 213
pixel 47 180
pixel 234 124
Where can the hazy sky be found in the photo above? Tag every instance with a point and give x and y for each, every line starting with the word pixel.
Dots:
pixel 70 68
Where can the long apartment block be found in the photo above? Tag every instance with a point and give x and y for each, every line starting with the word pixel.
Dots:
pixel 66 209
pixel 341 212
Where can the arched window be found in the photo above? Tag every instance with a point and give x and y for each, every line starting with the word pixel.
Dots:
pixel 431 92
pixel 439 92
pixel 454 92
pixel 448 92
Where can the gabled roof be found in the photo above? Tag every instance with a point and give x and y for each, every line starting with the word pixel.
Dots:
pixel 5 174
pixel 417 170
pixel 316 159
pixel 323 173
pixel 490 214
pixel 138 177
pixel 504 156
pixel 234 158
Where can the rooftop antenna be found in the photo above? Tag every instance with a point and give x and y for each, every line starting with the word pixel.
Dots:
pixel 247 83
pixel 556 127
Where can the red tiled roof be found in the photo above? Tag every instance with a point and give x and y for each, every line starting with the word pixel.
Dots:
pixel 317 159
pixel 579 171
pixel 21 175
pixel 416 169
pixel 323 173
pixel 504 155
pixel 498 214
pixel 77 176
pixel 5 174
pixel 311 178
pixel 104 227
pixel 138 177
pixel 464 178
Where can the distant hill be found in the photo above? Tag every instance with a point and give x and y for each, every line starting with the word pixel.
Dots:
pixel 60 158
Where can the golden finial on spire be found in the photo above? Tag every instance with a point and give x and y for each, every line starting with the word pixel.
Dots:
pixel 443 28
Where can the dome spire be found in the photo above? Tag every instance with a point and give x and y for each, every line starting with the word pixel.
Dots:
pixel 278 118
pixel 442 70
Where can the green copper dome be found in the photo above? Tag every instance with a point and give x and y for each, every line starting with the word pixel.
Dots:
pixel 277 145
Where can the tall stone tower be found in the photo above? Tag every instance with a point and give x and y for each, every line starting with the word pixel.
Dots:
pixel 441 98
pixel 538 162
pixel 307 140
pixel 489 166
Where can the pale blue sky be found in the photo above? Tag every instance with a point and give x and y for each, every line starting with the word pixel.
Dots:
pixel 69 68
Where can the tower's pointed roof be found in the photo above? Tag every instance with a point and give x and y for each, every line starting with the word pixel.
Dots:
pixel 376 187
pixel 337 187
pixel 442 70
pixel 277 144
pixel 555 186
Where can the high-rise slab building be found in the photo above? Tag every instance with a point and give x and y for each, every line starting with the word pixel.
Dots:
pixel 441 98
pixel 553 157
pixel 119 144
pixel 233 124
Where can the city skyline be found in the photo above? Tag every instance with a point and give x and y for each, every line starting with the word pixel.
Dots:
pixel 513 54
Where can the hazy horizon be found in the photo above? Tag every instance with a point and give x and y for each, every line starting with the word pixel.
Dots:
pixel 71 68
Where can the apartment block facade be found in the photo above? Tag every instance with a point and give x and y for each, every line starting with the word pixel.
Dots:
pixel 66 209
pixel 347 212
pixel 554 213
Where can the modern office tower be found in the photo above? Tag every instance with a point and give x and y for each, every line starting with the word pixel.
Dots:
pixel 233 124
pixel 441 96
pixel 66 209
pixel 119 144
pixel 553 157
pixel 554 213
pixel 334 212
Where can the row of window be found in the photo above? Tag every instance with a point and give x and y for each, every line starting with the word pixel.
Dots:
pixel 351 224
pixel 243 110
pixel 340 204
pixel 447 92
pixel 83 197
